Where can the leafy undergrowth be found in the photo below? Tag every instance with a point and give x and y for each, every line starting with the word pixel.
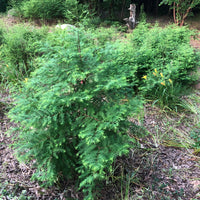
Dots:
pixel 165 165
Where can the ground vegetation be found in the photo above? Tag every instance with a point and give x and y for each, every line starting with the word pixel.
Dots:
pixel 91 112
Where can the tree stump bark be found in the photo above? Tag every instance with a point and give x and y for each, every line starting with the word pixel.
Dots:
pixel 130 22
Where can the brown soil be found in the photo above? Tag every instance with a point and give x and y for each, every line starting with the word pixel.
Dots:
pixel 195 42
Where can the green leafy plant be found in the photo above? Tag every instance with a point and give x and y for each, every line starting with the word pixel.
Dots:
pixel 181 9
pixel 161 89
pixel 48 9
pixel 18 52
pixel 14 7
pixel 73 111
pixel 169 53
pixel 104 35
pixel 77 13
pixel 71 11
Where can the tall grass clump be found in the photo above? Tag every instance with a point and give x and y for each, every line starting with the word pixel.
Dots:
pixel 165 61
pixel 18 51
pixel 73 111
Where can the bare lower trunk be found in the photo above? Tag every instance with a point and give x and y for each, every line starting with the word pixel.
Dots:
pixel 184 17
pixel 131 20
pixel 174 13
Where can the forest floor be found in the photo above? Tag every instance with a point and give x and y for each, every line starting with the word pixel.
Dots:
pixel 163 167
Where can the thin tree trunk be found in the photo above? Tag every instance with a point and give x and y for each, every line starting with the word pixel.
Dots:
pixel 174 12
pixel 184 17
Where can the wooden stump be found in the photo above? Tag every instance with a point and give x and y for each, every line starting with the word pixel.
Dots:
pixel 130 22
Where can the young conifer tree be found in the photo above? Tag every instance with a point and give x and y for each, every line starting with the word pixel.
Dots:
pixel 73 111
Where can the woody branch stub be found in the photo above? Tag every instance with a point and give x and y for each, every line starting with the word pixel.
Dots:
pixel 130 22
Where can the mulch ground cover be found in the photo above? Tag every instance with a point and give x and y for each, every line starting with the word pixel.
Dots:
pixel 153 171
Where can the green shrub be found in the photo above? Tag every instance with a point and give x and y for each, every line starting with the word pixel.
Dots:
pixel 18 51
pixel 51 9
pixel 169 52
pixel 104 35
pixel 76 12
pixel 93 21
pixel 14 7
pixel 71 11
pixel 162 89
pixel 73 111
pixel 48 9
pixel 15 3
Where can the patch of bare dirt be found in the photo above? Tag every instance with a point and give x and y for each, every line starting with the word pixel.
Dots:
pixel 170 174
pixel 157 174
pixel 195 42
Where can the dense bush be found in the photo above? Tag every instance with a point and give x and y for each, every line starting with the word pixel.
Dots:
pixel 14 7
pixel 48 9
pixel 72 11
pixel 76 12
pixel 18 51
pixel 102 35
pixel 73 110
pixel 165 61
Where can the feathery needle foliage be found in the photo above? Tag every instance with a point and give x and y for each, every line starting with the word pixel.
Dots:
pixel 73 110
